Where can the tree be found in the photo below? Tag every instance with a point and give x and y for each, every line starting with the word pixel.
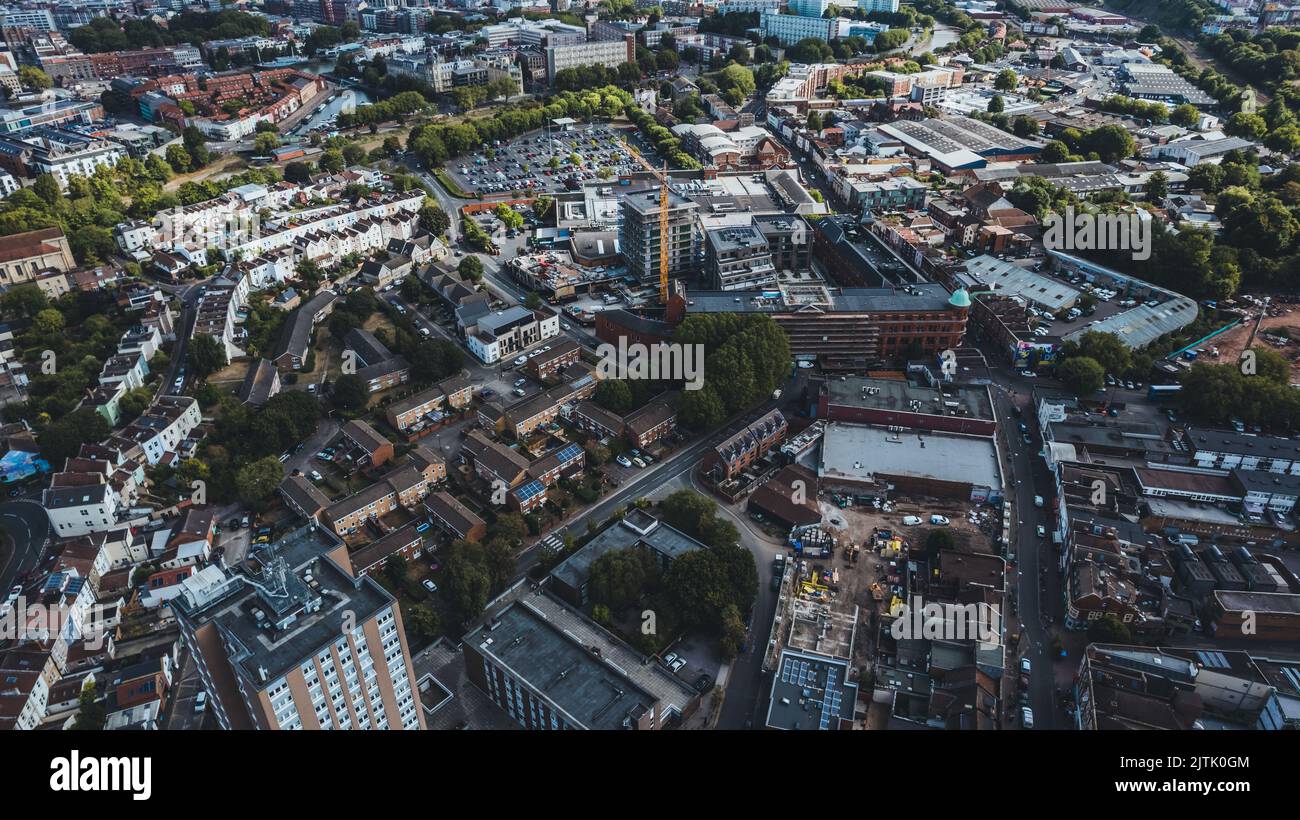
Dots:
pixel 256 483
pixel 1007 80
pixel 1109 629
pixel 396 568
pixel 299 172
pixel 688 511
pixel 996 105
pixel 350 392
pixel 434 219
pixel 619 578
pixel 179 159
pixel 1157 187
pixel 1186 115
pixel 615 395
pixel 207 355
pixel 1106 349
pixel 48 322
pixel 64 437
pixel 891 39
pixel 91 713
pixel 423 622
pixel 23 301
pixel 733 633
pixel 466 585
pixel 34 78
pixel 814 121
pixel 1081 375
pixel 471 267
pixel 265 143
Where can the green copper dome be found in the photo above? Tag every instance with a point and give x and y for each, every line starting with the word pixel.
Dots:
pixel 960 298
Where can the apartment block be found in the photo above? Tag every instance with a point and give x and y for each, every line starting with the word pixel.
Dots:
pixel 300 644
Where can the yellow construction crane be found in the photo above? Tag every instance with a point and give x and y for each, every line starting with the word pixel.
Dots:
pixel 662 176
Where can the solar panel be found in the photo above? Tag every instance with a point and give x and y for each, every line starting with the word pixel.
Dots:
pixel 529 490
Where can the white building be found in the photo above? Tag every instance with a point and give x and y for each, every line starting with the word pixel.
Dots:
pixel 609 53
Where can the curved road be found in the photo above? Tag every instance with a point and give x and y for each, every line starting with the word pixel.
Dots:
pixel 27 525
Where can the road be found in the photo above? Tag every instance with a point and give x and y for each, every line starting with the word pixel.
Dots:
pixel 27 525
pixel 189 296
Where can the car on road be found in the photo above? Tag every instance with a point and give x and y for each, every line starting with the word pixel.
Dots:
pixel 521 360
pixel 1038 501
pixel 1026 666
pixel 200 703
pixel 1027 717
pixel 776 583
pixel 14 592
pixel 15 492
pixel 1041 530
pixel 487 394
pixel 429 585
pixel 316 476
pixel 1024 428
pixel 1026 439
pixel 565 327
pixel 311 388
pixel 624 461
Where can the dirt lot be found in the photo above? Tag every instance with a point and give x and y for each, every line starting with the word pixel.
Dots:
pixel 858 521
pixel 1232 343
pixel 231 376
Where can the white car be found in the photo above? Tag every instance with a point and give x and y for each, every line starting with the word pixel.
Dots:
pixel 939 520
pixel 200 703
pixel 13 594
pixel 429 585
pixel 1042 531
pixel 678 665
pixel 565 327
pixel 424 331
pixel 624 461
pixel 316 476
pixel 911 520
pixel 521 360
pixel 1027 717
pixel 1029 374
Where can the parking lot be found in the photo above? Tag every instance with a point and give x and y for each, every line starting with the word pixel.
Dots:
pixel 543 161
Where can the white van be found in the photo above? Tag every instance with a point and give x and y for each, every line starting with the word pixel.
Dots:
pixel 911 520
pixel 939 520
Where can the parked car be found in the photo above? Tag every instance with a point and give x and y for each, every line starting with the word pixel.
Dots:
pixel 911 520
pixel 638 462
pixel 939 520
pixel 521 360
pixel 703 683
pixel 670 659
pixel 429 585
pixel 1027 717
pixel 623 460
pixel 1026 666
pixel 1041 530
pixel 14 592
pixel 200 703
pixel 1029 374
pixel 678 665
pixel 316 476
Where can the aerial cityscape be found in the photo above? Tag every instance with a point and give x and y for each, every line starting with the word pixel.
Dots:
pixel 719 365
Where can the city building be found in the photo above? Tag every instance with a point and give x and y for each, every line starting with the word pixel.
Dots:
pixel 275 650
pixel 639 239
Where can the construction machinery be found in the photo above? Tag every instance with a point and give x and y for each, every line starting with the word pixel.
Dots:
pixel 662 176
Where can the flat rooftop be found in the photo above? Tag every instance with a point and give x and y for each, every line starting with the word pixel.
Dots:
pixel 860 453
pixel 550 648
pixel 233 604
pixel 810 692
pixel 641 528
pixel 893 394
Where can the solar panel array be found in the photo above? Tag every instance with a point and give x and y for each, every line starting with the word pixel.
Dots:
pixel 529 490
pixel 802 674
pixel 568 453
